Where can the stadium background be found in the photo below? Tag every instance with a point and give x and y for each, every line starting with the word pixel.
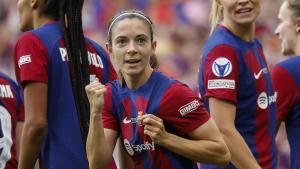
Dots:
pixel 181 28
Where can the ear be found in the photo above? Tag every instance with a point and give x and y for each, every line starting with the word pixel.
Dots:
pixel 298 25
pixel 153 45
pixel 109 49
pixel 34 4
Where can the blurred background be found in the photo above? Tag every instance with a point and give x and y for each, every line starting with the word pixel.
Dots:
pixel 181 28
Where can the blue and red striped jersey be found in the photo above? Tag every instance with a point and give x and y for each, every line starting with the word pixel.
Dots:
pixel 286 81
pixel 235 70
pixel 11 112
pixel 40 56
pixel 177 105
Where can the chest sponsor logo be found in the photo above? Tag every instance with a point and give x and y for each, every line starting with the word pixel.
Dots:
pixel 131 149
pixel 24 60
pixel 189 107
pixel 222 67
pixel 93 58
pixel 221 84
pixel 263 100
pixel 5 91
pixel 262 71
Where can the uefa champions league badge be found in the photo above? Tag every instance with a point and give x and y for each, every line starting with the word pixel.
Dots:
pixel 221 67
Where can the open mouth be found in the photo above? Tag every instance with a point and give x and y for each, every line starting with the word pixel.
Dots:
pixel 244 11
pixel 132 61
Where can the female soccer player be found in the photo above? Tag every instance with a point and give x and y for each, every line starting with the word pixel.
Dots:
pixel 286 77
pixel 235 82
pixel 161 122
pixel 11 121
pixel 54 61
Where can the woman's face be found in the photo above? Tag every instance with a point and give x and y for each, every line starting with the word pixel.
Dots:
pixel 131 46
pixel 287 30
pixel 25 15
pixel 241 12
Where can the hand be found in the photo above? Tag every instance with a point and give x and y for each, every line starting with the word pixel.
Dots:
pixel 95 91
pixel 154 127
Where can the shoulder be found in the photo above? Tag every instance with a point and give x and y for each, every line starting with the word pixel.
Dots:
pixel 100 50
pixel 28 37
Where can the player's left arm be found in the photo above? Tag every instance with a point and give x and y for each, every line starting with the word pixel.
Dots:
pixel 205 144
pixel 181 108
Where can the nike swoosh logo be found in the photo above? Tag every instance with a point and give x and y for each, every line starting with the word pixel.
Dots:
pixel 125 121
pixel 256 76
pixel 263 70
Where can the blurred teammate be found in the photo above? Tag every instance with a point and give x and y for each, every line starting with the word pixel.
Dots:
pixel 286 77
pixel 161 122
pixel 11 121
pixel 235 82
pixel 53 64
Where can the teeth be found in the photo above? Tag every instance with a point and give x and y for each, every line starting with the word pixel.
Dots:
pixel 244 10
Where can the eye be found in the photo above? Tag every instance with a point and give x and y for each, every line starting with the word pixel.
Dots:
pixel 121 41
pixel 141 40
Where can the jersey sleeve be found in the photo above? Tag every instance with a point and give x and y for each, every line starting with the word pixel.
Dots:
pixel 31 61
pixel 286 96
pixel 181 108
pixel 220 73
pixel 108 119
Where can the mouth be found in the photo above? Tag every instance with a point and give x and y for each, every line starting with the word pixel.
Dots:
pixel 244 10
pixel 132 61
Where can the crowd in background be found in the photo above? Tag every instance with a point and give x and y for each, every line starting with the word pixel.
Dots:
pixel 181 30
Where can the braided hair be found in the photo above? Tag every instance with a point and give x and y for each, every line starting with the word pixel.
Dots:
pixel 68 12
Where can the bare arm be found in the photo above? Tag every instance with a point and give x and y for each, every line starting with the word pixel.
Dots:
pixel 19 129
pixel 224 113
pixel 33 135
pixel 100 142
pixel 206 143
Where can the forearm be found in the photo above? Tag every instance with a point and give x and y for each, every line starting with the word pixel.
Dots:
pixel 97 152
pixel 197 150
pixel 241 155
pixel 32 139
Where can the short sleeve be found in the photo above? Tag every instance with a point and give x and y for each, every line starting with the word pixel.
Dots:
pixel 181 108
pixel 108 119
pixel 221 73
pixel 31 61
pixel 286 96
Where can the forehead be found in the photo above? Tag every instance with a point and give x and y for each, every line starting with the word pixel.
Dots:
pixel 285 12
pixel 130 26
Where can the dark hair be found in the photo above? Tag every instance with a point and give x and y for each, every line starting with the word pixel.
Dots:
pixel 68 12
pixel 132 14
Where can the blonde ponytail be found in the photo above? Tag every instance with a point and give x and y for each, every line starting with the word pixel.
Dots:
pixel 216 15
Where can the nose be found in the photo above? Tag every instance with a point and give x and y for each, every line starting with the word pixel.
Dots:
pixel 277 30
pixel 132 48
pixel 243 2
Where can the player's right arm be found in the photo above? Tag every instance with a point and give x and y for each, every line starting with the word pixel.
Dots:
pixel 100 141
pixel 222 99
pixel 223 112
pixel 34 131
pixel 32 73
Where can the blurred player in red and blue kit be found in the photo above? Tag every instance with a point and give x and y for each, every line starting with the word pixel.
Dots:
pixel 161 122
pixel 54 61
pixel 235 83
pixel 286 76
pixel 11 121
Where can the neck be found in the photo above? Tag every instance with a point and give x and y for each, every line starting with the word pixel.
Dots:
pixel 245 32
pixel 41 20
pixel 134 82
